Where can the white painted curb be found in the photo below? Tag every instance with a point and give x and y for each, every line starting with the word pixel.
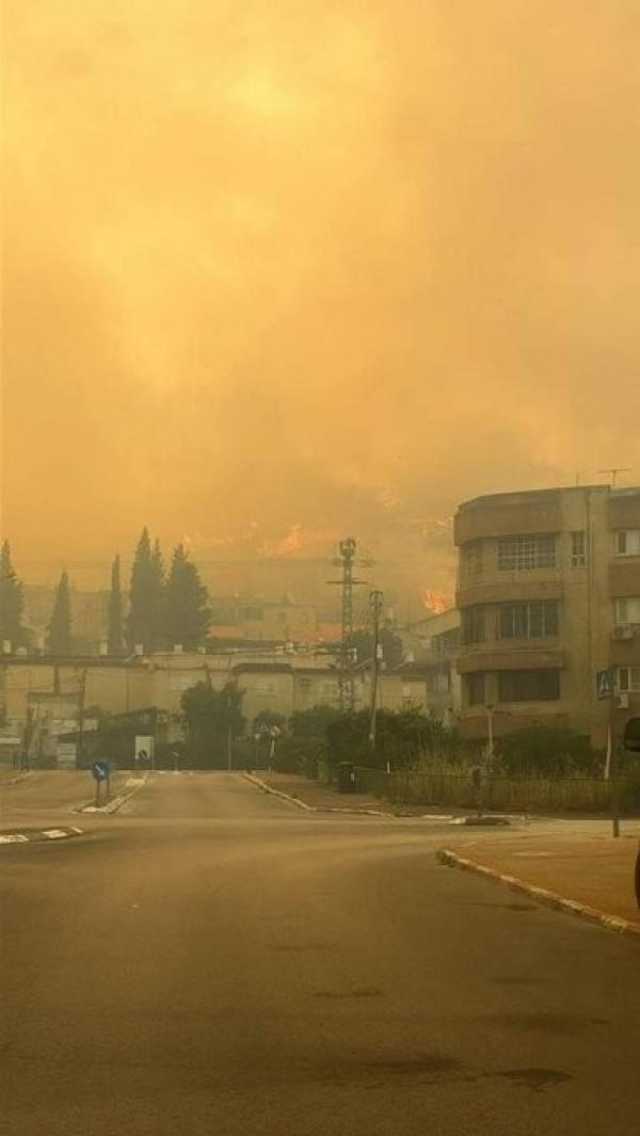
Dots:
pixel 313 808
pixel 39 835
pixel 276 793
pixel 548 898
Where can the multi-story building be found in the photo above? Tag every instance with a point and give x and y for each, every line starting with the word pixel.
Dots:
pixel 549 594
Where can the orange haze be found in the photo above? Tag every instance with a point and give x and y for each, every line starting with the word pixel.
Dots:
pixel 276 273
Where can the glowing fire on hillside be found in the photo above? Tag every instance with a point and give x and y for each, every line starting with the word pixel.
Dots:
pixel 435 602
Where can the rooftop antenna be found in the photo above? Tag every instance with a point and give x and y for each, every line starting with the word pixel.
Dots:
pixel 613 472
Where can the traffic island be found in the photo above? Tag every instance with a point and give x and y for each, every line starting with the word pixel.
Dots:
pixel 483 821
pixel 590 876
pixel 125 788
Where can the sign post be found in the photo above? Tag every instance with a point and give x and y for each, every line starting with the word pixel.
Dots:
pixel 606 688
pixel 144 751
pixel 101 772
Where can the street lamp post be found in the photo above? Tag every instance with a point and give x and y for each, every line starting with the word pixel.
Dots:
pixel 375 604
pixel 490 712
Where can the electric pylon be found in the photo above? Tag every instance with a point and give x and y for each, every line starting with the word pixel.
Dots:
pixel 346 559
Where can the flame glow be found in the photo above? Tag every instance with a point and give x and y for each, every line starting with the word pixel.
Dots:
pixel 436 602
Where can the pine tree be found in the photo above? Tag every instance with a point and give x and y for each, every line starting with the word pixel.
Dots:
pixel 188 614
pixel 114 631
pixel 139 621
pixel 59 636
pixel 11 601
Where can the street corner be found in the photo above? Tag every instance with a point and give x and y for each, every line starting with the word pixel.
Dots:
pixel 543 895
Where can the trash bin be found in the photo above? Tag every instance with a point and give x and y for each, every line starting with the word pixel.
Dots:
pixel 346 777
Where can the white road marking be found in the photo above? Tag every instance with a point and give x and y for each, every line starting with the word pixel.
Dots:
pixel 54 833
pixel 14 838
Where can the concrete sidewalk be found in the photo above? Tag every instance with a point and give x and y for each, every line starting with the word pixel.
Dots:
pixel 587 867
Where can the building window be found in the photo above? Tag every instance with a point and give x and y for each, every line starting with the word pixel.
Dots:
pixel 476 689
pixel 628 678
pixel 472 558
pixel 473 625
pixel 627 610
pixel 628 542
pixel 528 686
pixel 578 549
pixel 522 553
pixel 535 620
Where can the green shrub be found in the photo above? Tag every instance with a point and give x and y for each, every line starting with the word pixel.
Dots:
pixel 547 751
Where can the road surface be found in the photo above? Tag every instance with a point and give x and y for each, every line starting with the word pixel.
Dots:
pixel 215 962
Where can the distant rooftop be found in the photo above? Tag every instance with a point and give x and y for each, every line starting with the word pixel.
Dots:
pixel 517 494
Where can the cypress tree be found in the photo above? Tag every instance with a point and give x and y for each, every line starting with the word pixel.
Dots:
pixel 140 618
pixel 59 634
pixel 158 598
pixel 188 614
pixel 11 601
pixel 114 630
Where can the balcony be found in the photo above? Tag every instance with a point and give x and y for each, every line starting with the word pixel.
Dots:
pixel 528 655
pixel 624 576
pixel 511 587
pixel 625 645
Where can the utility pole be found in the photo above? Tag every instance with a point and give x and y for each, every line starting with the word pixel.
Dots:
pixel 613 472
pixel 375 605
pixel 613 771
pixel 81 702
pixel 346 560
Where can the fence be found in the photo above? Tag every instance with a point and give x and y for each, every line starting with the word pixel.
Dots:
pixel 501 794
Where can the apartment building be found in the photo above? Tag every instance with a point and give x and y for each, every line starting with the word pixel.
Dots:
pixel 549 594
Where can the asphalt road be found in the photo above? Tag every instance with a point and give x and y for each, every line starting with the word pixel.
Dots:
pixel 215 962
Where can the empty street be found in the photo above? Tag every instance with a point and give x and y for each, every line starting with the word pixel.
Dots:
pixel 214 960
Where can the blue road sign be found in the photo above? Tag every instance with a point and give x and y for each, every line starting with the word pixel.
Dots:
pixel 100 770
pixel 604 683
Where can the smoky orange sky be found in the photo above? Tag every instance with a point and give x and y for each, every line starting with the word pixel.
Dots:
pixel 276 272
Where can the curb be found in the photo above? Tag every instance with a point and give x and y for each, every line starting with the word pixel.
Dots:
pixel 39 835
pixel 276 793
pixel 547 898
pixel 114 805
pixel 312 808
pixel 16 780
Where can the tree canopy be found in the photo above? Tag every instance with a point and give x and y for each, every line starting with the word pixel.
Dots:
pixel 11 601
pixel 59 631
pixel 187 603
pixel 115 642
pixel 210 717
pixel 146 620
